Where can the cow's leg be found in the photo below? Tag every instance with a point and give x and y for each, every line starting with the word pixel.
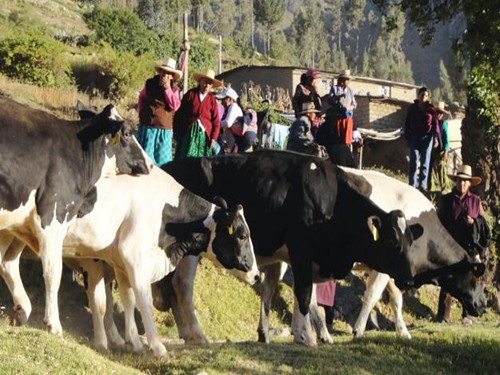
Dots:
pixel 269 287
pixel 182 303
pixel 128 299
pixel 109 323
pixel 397 309
pixel 51 241
pixel 11 249
pixel 317 319
pixel 96 295
pixel 374 287
pixel 299 250
pixel 139 276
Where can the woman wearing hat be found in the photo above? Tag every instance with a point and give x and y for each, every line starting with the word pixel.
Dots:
pixel 342 98
pixel 306 91
pixel 300 138
pixel 438 180
pixel 196 123
pixel 158 101
pixel 459 211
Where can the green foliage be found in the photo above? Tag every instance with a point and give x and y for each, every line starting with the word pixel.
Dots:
pixel 125 32
pixel 122 73
pixel 269 12
pixel 153 14
pixel 484 88
pixel 202 55
pixel 32 56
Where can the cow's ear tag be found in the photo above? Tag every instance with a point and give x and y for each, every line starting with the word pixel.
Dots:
pixel 230 230
pixel 116 139
pixel 373 222
pixel 375 233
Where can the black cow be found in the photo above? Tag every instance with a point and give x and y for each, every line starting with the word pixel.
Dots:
pixel 48 167
pixel 308 213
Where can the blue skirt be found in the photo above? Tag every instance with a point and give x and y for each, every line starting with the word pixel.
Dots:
pixel 156 142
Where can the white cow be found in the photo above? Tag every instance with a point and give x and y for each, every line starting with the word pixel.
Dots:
pixel 142 226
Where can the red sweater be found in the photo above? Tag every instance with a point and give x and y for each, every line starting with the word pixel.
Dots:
pixel 192 109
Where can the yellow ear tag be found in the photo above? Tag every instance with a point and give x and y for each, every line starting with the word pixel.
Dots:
pixel 230 230
pixel 116 139
pixel 375 233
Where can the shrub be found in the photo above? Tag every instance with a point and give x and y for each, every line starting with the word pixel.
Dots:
pixel 34 57
pixel 125 32
pixel 121 74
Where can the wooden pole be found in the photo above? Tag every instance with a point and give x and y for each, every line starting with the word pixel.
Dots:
pixel 186 47
pixel 220 55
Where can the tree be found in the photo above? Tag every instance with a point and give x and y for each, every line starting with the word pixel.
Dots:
pixel 353 17
pixel 446 87
pixel 153 14
pixel 197 10
pixel 268 13
pixel 243 34
pixel 481 127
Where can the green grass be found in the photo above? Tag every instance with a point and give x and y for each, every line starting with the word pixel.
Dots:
pixel 435 349
pixel 228 312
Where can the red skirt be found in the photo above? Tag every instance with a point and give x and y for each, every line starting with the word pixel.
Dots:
pixel 344 130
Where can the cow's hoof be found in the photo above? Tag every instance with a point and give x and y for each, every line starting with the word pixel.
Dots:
pixel 117 342
pixel 326 339
pixel 101 348
pixel 137 350
pixel 53 328
pixel 159 350
pixel 264 338
pixel 20 316
pixel 405 334
pixel 196 340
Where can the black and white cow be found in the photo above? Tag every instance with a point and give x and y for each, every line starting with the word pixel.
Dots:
pixel 48 166
pixel 308 213
pixel 257 184
pixel 143 233
pixel 435 243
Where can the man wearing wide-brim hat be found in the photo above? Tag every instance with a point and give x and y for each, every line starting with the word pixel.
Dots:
pixel 197 123
pixel 300 138
pixel 461 213
pixel 158 101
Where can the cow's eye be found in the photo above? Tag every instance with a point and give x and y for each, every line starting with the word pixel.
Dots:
pixel 242 237
pixel 126 134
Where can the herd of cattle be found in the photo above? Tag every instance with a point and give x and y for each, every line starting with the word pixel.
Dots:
pixel 85 193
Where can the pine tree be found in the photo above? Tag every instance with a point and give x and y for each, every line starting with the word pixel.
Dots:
pixel 268 13
pixel 445 83
pixel 152 13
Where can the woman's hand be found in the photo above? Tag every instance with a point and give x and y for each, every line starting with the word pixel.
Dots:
pixel 165 80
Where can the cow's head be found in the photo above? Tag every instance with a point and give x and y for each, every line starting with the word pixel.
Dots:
pixel 393 236
pixel 462 280
pixel 468 289
pixel 124 155
pixel 232 244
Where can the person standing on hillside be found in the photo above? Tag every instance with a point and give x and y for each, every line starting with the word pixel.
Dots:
pixel 438 180
pixel 342 99
pixel 196 123
pixel 420 126
pixel 306 91
pixel 461 213
pixel 158 101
